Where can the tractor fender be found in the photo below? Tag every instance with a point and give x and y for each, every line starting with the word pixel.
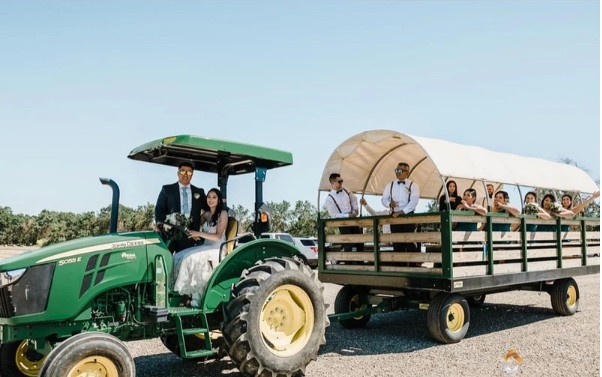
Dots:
pixel 228 272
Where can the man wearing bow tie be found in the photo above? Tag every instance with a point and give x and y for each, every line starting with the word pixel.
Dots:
pixel 181 197
pixel 401 197
pixel 342 203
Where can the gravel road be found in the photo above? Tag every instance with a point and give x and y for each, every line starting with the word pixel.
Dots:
pixel 398 344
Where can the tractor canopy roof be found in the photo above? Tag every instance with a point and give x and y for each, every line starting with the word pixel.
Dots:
pixel 211 155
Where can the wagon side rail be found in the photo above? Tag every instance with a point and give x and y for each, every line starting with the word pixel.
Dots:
pixel 447 253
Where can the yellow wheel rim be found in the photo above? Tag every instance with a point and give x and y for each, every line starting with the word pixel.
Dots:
pixel 571 296
pixel 356 305
pixel 94 366
pixel 25 364
pixel 455 317
pixel 287 320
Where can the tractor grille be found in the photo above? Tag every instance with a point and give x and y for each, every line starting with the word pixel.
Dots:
pixel 7 309
pixel 29 294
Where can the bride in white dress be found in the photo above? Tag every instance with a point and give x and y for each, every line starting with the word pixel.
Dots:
pixel 194 266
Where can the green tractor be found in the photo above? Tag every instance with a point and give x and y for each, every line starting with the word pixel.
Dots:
pixel 66 309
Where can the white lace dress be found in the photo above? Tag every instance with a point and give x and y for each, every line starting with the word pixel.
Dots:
pixel 194 266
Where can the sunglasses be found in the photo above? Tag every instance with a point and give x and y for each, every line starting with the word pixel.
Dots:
pixel 340 181
pixel 399 171
pixel 185 172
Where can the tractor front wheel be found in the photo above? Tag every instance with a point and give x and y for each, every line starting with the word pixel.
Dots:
pixel 18 359
pixel 276 320
pixel 90 354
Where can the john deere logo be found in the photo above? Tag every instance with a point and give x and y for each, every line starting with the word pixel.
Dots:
pixel 511 362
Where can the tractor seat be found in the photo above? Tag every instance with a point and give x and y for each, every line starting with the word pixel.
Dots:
pixel 231 232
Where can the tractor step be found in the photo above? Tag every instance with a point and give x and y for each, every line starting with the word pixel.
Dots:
pixel 194 331
pixel 197 354
pixel 178 314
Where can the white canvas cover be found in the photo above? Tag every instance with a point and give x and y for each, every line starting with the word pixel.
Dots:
pixel 367 162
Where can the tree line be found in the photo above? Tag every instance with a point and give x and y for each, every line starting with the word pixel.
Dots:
pixel 50 227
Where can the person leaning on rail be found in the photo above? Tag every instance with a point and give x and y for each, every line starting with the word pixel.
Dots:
pixel 468 204
pixel 567 203
pixel 531 200
pixel 554 209
pixel 500 205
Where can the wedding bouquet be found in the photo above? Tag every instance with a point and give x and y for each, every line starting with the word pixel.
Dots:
pixel 555 207
pixel 531 209
pixel 176 225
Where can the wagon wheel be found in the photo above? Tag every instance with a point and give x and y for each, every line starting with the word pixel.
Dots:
pixel 448 318
pixel 565 296
pixel 348 300
pixel 89 354
pixel 275 322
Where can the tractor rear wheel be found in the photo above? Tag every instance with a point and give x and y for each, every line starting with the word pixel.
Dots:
pixel 89 354
pixel 349 299
pixel 448 317
pixel 276 319
pixel 18 359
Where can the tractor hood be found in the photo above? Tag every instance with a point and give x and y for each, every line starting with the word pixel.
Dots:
pixel 68 252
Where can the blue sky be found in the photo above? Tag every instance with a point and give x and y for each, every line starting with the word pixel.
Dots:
pixel 83 83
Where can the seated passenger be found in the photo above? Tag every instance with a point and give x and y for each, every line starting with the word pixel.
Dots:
pixel 500 205
pixel 468 204
pixel 194 266
pixel 554 209
pixel 532 208
pixel 454 198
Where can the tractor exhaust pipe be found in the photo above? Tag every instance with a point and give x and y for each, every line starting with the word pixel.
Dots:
pixel 114 203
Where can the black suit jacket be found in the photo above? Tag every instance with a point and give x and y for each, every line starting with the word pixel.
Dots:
pixel 169 202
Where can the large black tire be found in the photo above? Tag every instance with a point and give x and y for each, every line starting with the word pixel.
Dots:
pixel 448 318
pixel 17 359
pixel 476 301
pixel 350 299
pixel 276 320
pixel 90 354
pixel 565 296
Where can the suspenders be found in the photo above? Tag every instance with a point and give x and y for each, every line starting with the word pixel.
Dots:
pixel 337 204
pixel 409 190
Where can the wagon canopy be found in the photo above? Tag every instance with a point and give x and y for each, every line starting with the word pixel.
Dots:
pixel 366 162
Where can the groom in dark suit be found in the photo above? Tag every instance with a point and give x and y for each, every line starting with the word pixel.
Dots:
pixel 184 198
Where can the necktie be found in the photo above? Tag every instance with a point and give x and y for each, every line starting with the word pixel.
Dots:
pixel 339 191
pixel 185 209
pixel 400 182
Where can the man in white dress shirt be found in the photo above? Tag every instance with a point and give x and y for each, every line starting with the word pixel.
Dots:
pixel 401 198
pixel 342 203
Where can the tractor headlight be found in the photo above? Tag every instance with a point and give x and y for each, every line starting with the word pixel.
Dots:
pixel 11 277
